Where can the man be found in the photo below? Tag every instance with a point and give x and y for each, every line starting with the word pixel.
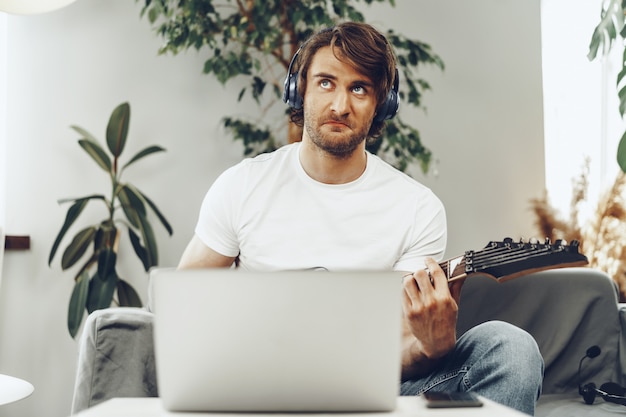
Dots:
pixel 327 203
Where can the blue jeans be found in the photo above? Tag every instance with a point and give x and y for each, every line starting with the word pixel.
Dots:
pixel 496 360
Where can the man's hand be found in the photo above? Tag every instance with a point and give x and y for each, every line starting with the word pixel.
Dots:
pixel 430 313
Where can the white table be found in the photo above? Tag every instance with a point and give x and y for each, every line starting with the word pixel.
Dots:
pixel 407 406
pixel 13 389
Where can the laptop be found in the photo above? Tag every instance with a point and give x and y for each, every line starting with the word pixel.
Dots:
pixel 298 341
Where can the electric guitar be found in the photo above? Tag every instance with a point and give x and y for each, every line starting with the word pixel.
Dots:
pixel 506 260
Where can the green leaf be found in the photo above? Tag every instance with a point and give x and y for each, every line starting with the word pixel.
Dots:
pixel 126 295
pixel 97 153
pixel 84 133
pixel 89 197
pixel 141 252
pixel 76 249
pixel 611 23
pixel 72 214
pixel 134 208
pixel 150 256
pixel 147 236
pixel 622 100
pixel 101 291
pixel 241 94
pixel 147 151
pixel 78 301
pixel 258 85
pixel 620 83
pixel 106 262
pixel 156 211
pixel 132 204
pixel 621 153
pixel 117 129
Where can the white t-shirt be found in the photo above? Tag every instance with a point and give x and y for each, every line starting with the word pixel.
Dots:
pixel 274 216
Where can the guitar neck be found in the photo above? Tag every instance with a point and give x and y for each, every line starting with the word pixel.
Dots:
pixel 454 268
pixel 508 259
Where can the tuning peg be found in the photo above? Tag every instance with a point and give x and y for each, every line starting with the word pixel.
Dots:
pixel 547 242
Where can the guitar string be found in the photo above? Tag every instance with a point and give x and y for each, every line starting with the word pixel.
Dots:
pixel 504 254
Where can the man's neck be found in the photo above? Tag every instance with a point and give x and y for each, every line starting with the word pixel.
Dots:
pixel 329 169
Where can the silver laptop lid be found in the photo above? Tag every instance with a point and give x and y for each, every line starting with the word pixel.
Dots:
pixel 228 340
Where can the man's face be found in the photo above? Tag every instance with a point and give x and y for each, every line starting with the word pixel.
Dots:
pixel 339 104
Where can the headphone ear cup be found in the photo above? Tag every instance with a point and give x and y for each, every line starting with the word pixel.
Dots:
pixel 290 91
pixel 613 389
pixel 588 392
pixel 389 108
pixel 616 392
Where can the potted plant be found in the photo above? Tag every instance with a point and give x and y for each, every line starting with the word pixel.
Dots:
pixel 97 280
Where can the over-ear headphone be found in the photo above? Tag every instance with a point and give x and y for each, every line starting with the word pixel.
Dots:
pixel 609 391
pixel 290 90
pixel 386 111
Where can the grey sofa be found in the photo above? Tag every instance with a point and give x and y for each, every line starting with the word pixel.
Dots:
pixel 566 310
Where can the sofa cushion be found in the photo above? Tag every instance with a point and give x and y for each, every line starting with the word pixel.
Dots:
pixel 565 310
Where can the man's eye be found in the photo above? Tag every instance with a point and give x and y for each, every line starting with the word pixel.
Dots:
pixel 358 90
pixel 325 84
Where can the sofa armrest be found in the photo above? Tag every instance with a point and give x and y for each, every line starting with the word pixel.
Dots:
pixel 565 310
pixel 116 357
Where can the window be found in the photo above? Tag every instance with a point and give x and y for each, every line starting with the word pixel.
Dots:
pixel 581 117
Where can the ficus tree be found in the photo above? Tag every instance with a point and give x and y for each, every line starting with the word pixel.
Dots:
pixel 256 39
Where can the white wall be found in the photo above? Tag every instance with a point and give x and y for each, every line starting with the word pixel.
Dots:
pixel 484 122
pixel 73 66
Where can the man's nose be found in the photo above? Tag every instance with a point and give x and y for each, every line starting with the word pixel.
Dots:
pixel 341 102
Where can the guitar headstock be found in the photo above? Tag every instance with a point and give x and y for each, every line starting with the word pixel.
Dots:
pixel 509 259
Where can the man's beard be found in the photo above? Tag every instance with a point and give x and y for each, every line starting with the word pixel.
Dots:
pixel 342 148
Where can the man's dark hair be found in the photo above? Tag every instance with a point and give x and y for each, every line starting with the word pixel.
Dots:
pixel 361 46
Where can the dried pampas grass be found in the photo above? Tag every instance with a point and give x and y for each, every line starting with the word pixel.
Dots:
pixel 603 238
